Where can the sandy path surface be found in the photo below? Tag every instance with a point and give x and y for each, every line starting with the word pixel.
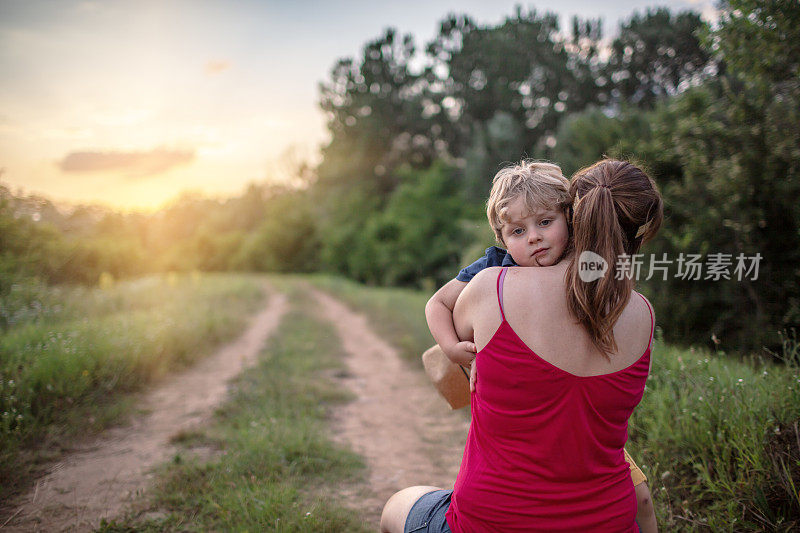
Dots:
pixel 98 480
pixel 398 423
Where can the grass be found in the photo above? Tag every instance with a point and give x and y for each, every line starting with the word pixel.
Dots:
pixel 274 463
pixel 69 355
pixel 719 440
pixel 717 435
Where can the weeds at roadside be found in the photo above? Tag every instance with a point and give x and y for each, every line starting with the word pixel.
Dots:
pixel 69 356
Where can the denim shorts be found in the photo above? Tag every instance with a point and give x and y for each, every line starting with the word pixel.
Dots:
pixel 427 513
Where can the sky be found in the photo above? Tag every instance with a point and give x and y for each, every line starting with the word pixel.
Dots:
pixel 128 103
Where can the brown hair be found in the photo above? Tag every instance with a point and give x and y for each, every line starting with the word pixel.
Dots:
pixel 542 185
pixel 616 209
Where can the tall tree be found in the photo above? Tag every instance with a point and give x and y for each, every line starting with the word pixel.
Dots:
pixel 375 115
pixel 522 68
pixel 727 154
pixel 760 39
pixel 657 54
pixel 376 122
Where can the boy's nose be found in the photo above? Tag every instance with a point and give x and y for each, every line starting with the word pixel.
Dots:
pixel 533 236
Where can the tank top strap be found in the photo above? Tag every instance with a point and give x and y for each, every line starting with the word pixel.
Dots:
pixel 652 320
pixel 501 277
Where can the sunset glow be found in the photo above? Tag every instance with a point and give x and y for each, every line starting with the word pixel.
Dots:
pixel 130 103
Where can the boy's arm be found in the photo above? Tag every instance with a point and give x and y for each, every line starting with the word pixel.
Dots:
pixel 439 313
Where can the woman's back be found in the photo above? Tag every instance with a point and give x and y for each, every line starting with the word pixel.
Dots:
pixel 536 307
pixel 550 413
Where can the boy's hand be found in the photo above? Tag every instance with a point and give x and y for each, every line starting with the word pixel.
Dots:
pixel 462 353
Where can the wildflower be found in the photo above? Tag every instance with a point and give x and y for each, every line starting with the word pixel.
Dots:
pixel 740 380
pixel 715 340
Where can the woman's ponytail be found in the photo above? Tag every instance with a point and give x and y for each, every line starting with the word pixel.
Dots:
pixel 616 208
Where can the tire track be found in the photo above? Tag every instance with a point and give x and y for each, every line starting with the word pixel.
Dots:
pixel 397 422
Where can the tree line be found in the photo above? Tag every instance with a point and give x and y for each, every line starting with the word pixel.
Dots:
pixel 417 134
pixel 711 112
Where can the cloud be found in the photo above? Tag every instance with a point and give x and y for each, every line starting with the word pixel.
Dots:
pixel 133 164
pixel 214 67
pixel 89 6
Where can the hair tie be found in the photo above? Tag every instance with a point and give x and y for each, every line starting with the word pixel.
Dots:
pixel 642 229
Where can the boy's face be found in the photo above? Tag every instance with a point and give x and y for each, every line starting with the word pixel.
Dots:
pixel 534 238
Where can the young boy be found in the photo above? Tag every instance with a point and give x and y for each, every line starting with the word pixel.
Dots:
pixel 527 209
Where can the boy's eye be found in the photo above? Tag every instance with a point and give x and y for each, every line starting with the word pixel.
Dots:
pixel 546 222
pixel 517 231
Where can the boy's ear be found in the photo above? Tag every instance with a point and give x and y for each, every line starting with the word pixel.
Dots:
pixel 498 238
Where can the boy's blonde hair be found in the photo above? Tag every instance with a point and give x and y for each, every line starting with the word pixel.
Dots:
pixel 542 184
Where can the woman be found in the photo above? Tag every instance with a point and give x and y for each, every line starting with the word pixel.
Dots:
pixel 561 366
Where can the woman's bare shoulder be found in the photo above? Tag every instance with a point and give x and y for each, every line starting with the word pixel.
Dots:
pixel 482 284
pixel 486 274
pixel 640 318
pixel 643 306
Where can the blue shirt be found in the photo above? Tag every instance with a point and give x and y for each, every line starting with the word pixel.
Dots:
pixel 493 257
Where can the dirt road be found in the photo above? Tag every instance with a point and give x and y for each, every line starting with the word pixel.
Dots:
pixel 398 423
pixel 100 479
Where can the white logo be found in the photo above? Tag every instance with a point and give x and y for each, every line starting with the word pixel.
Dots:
pixel 591 266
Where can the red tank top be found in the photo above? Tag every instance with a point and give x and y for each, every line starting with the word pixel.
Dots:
pixel 544 450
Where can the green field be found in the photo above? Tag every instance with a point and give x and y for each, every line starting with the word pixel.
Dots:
pixel 716 434
pixel 69 356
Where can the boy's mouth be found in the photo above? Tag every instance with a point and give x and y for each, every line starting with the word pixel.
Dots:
pixel 540 250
